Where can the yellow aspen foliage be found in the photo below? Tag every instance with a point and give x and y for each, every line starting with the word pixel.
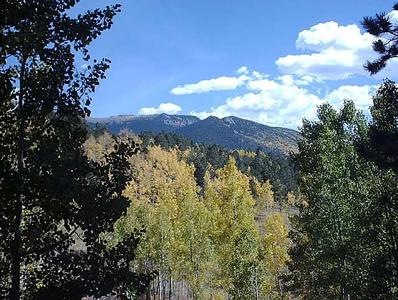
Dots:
pixel 205 240
pixel 291 199
pixel 265 195
pixel 228 196
pixel 165 200
pixel 275 244
pixel 97 148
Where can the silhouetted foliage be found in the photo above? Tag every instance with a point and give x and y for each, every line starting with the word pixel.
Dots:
pixel 56 205
pixel 382 143
pixel 381 147
pixel 386 44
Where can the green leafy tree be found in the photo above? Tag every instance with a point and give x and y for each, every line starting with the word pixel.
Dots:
pixel 381 147
pixel 52 196
pixel 326 262
pixel 345 236
pixel 242 266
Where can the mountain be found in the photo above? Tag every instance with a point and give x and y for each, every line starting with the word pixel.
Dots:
pixel 154 123
pixel 230 132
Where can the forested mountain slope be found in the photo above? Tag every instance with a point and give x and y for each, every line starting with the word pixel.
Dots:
pixel 230 132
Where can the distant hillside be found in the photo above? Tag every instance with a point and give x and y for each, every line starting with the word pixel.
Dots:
pixel 230 132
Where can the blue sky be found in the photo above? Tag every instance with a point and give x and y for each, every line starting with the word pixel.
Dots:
pixel 269 61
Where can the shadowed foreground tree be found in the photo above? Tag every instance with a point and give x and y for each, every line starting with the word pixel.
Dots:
pixel 382 143
pixel 56 205
pixel 385 30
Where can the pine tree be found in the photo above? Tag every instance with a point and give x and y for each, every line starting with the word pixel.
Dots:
pixel 382 27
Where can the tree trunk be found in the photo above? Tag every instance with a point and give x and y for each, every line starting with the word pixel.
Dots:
pixel 256 284
pixel 160 287
pixel 15 292
pixel 170 286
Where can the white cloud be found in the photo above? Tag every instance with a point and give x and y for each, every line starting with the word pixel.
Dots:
pixel 168 108
pixel 258 75
pixel 277 102
pixel 331 35
pixel 361 95
pixel 214 84
pixel 284 101
pixel 203 86
pixel 262 84
pixel 330 52
pixel 338 52
pixel 393 15
pixel 242 70
pixel 306 80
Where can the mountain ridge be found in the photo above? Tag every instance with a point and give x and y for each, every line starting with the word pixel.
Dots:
pixel 231 132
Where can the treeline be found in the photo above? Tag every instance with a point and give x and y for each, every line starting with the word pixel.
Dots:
pixel 277 168
pixel 223 238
